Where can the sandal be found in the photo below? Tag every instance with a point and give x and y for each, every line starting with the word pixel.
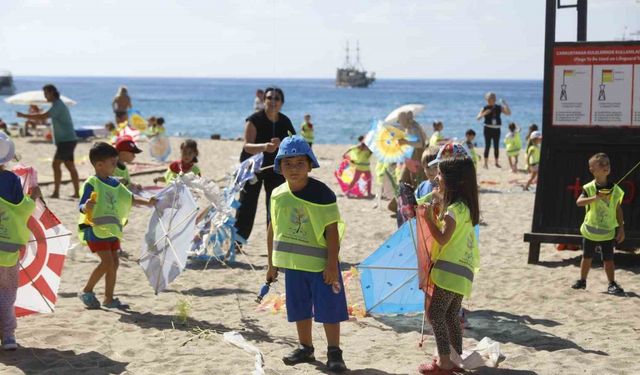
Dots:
pixel 432 368
pixel 90 301
pixel 115 304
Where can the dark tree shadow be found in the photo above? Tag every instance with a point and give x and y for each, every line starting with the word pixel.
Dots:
pixel 322 368
pixel 505 327
pixel 251 330
pixel 627 261
pixel 404 323
pixel 199 292
pixel 68 362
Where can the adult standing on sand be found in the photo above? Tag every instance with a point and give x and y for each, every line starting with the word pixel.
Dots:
pixel 121 104
pixel 492 123
pixel 64 136
pixel 263 132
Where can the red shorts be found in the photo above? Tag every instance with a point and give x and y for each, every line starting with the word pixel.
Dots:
pixel 96 246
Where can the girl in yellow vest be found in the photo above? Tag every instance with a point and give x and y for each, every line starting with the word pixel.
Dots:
pixel 513 143
pixel 303 238
pixel 15 210
pixel 603 222
pixel 359 157
pixel 104 208
pixel 306 130
pixel 457 259
pixel 533 157
pixel 187 163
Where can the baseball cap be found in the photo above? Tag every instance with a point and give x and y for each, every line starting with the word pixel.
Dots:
pixel 127 144
pixel 450 150
pixel 535 134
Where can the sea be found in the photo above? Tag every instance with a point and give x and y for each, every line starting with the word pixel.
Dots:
pixel 201 107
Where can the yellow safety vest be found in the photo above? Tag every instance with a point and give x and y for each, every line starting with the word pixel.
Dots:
pixel 122 175
pixel 458 260
pixel 306 132
pixel 360 159
pixel 170 175
pixel 513 142
pixel 533 153
pixel 435 138
pixel 600 219
pixel 14 232
pixel 111 210
pixel 298 230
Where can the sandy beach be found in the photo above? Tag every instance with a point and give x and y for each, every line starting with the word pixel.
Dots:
pixel 544 326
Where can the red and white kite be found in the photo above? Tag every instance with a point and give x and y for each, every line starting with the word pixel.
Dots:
pixel 42 259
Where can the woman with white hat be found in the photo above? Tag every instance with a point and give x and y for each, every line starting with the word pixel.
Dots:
pixel 15 210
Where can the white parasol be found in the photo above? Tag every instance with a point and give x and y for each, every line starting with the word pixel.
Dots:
pixel 34 98
pixel 393 116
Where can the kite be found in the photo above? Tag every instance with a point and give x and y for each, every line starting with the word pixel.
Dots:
pixel 136 121
pixel 383 142
pixel 42 259
pixel 345 174
pixel 169 234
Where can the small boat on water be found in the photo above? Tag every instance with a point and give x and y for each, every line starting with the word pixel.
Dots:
pixel 353 75
pixel 6 83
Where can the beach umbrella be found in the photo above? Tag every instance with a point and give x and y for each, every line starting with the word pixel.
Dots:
pixel 136 120
pixel 169 234
pixel 34 97
pixel 160 147
pixel 42 259
pixel 392 117
pixel 383 142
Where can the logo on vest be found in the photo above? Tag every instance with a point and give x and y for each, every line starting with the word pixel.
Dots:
pixel 111 201
pixel 4 221
pixel 467 258
pixel 297 218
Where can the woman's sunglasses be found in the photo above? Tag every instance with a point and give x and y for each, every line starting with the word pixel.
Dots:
pixel 274 98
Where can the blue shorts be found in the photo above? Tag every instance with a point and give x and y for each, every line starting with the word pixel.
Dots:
pixel 309 297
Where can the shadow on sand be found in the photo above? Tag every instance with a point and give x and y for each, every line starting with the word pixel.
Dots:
pixel 623 260
pixel 68 362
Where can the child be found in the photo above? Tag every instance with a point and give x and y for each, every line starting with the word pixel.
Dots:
pixel 513 144
pixel 306 130
pixel 112 133
pixel 359 157
pixel 437 139
pixel 303 238
pixel 533 157
pixel 532 128
pixel 101 220
pixel 602 200
pixel 457 260
pixel 470 136
pixel 427 185
pixel 187 163
pixel 16 208
pixel 127 150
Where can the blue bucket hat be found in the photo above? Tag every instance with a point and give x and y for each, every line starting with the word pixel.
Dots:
pixel 291 146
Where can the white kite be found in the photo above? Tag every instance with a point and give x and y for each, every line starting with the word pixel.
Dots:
pixel 169 235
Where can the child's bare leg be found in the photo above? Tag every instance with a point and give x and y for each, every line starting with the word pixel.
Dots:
pixel 332 330
pixel 515 164
pixel 585 266
pixel 609 269
pixel 110 277
pixel 106 263
pixel 304 332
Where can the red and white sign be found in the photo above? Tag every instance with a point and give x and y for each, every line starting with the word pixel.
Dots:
pixel 596 85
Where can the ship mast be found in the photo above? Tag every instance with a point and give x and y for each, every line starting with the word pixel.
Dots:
pixel 358 53
pixel 347 62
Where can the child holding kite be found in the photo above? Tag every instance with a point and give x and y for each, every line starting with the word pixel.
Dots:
pixel 602 199
pixel 15 210
pixel 457 259
pixel 104 207
pixel 187 163
pixel 303 238
pixel 359 157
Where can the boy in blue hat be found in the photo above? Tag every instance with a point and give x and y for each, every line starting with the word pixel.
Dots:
pixel 303 238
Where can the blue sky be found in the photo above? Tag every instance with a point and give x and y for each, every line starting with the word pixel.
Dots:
pixel 290 38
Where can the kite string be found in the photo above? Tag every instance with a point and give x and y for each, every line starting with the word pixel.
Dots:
pixel 628 173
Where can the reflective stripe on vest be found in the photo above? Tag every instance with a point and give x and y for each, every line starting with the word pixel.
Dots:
pixel 300 249
pixel 110 212
pixel 454 268
pixel 596 230
pixel 9 247
pixel 104 220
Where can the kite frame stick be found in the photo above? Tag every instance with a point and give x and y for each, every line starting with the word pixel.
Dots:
pixel 392 292
pixel 387 268
pixel 166 235
pixel 628 173
pixel 33 282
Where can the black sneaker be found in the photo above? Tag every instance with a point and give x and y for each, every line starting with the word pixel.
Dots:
pixel 302 354
pixel 335 362
pixel 614 288
pixel 580 284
